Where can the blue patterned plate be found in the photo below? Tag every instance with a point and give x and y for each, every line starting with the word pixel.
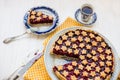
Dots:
pixel 44 28
pixel 78 18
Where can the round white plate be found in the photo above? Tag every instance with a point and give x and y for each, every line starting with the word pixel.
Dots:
pixel 51 60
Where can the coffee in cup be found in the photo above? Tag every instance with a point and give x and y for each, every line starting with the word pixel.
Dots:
pixel 86 12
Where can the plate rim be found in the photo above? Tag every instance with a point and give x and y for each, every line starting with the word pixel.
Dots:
pixel 115 54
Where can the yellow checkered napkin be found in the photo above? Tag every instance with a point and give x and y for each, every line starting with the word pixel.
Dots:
pixel 38 71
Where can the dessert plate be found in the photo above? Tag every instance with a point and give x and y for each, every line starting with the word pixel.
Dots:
pixel 52 60
pixel 42 29
pixel 90 22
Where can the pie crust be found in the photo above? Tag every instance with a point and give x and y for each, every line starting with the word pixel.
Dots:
pixel 95 60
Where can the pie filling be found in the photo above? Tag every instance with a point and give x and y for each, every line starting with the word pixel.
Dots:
pixel 38 17
pixel 96 61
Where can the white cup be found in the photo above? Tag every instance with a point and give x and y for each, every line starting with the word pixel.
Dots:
pixel 86 12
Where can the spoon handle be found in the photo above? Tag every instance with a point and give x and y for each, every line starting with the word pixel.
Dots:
pixel 10 39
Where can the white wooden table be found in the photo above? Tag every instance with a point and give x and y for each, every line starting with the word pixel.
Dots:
pixel 11 18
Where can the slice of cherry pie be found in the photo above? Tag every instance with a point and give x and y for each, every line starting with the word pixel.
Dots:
pixel 95 57
pixel 37 17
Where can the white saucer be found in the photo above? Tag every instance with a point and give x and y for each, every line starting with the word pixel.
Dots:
pixel 90 22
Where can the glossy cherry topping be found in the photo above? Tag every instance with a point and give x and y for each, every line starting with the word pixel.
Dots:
pixel 95 57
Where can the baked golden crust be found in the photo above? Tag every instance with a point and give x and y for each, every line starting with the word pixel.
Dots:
pixel 61 77
pixel 118 77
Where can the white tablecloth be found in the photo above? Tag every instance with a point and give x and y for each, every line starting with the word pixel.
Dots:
pixel 11 18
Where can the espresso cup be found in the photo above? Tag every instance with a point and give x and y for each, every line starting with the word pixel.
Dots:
pixel 86 12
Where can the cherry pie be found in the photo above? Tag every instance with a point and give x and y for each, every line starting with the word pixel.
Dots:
pixel 37 17
pixel 95 57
